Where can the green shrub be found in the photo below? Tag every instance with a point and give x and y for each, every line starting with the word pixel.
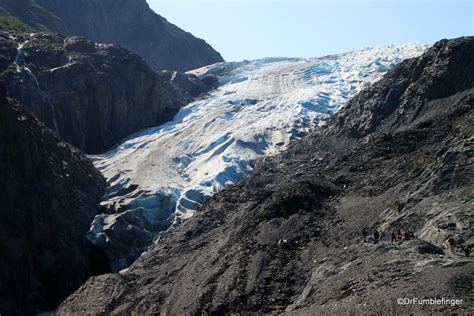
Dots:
pixel 10 23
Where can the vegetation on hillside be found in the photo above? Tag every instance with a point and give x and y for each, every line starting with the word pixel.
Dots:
pixel 11 23
pixel 27 14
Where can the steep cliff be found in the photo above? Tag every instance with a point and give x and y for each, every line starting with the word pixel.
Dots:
pixel 287 239
pixel 92 95
pixel 132 24
pixel 129 23
pixel 50 194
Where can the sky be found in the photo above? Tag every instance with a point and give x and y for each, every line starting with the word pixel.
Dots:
pixel 252 29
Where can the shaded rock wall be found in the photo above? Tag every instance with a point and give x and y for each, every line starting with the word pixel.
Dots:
pixel 92 95
pixel 132 24
pixel 50 194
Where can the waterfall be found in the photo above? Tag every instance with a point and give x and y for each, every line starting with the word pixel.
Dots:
pixel 22 69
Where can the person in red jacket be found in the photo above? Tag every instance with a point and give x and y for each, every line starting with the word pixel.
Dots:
pixel 467 250
pixel 450 243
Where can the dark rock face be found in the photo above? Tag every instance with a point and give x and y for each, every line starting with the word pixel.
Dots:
pixel 132 24
pixel 287 239
pixel 189 84
pixel 7 53
pixel 92 95
pixel 400 99
pixel 50 194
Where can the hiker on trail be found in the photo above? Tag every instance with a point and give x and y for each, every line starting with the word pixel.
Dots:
pixel 402 235
pixel 467 250
pixel 394 237
pixel 376 237
pixel 407 234
pixel 399 233
pixel 450 243
pixel 364 234
pixel 387 234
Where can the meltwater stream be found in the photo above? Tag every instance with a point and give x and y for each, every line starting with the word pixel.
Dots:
pixel 27 74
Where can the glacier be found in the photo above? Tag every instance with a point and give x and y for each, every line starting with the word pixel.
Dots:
pixel 162 175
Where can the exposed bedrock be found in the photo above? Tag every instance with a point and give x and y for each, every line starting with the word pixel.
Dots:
pixel 92 95
pixel 132 24
pixel 50 194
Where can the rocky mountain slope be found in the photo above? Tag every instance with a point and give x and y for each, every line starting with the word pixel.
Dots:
pixel 92 95
pixel 287 239
pixel 129 23
pixel 32 14
pixel 161 176
pixel 50 193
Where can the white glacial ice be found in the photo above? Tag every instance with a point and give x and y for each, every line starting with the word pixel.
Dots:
pixel 162 175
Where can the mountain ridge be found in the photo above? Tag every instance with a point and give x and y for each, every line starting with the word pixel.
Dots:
pixel 134 25
pixel 129 23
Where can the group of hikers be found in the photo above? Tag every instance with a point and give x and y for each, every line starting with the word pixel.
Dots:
pixel 450 243
pixel 388 235
pixel 405 234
